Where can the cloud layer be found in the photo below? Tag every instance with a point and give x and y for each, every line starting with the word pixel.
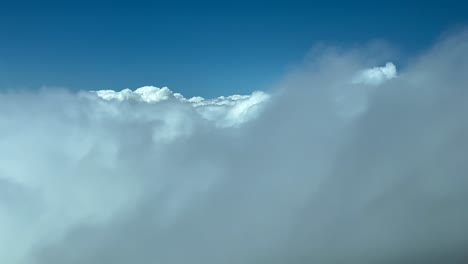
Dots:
pixel 329 167
pixel 225 111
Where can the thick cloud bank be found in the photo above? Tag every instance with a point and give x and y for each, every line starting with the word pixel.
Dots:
pixel 328 167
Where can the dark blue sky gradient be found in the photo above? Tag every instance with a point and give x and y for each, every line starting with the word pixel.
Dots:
pixel 198 47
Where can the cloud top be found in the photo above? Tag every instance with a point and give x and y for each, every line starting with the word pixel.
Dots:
pixel 376 75
pixel 224 111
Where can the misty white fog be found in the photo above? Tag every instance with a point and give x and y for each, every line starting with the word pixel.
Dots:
pixel 348 159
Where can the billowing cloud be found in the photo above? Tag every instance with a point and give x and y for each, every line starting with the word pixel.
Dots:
pixel 224 110
pixel 322 169
pixel 376 75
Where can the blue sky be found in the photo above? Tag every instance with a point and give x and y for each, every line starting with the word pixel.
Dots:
pixel 198 47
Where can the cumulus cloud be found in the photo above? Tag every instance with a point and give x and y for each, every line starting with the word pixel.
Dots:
pixel 322 169
pixel 224 111
pixel 376 75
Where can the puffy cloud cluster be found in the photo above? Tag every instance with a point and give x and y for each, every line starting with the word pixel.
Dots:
pixel 376 75
pixel 224 111
pixel 322 170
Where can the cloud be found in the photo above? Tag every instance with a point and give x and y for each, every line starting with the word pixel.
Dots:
pixel 223 111
pixel 319 170
pixel 376 75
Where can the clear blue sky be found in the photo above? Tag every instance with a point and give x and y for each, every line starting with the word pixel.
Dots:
pixel 206 48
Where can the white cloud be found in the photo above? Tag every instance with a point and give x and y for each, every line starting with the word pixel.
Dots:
pixel 147 94
pixel 150 176
pixel 376 75
pixel 227 111
pixel 224 111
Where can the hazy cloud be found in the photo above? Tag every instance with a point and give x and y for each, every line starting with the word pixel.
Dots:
pixel 376 75
pixel 322 169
